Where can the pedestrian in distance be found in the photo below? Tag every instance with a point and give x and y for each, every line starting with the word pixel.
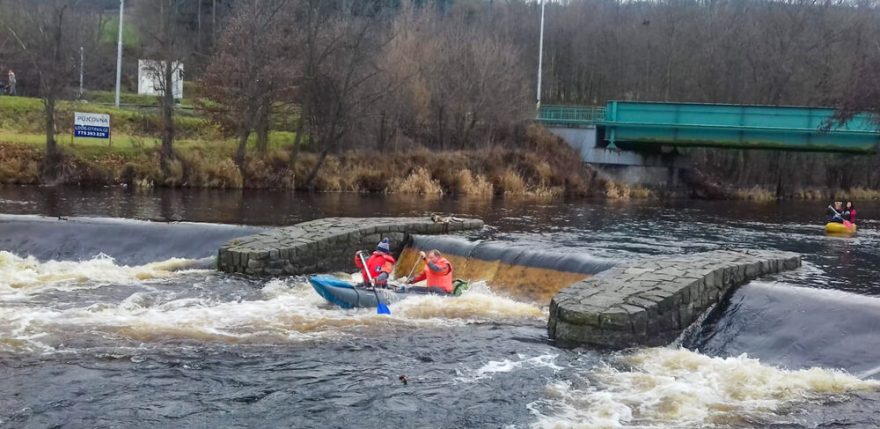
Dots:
pixel 10 85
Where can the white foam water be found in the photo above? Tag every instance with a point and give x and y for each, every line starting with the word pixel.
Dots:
pixel 285 310
pixel 22 276
pixel 492 368
pixel 662 387
pixel 477 304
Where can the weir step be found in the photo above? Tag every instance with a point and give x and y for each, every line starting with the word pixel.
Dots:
pixel 651 302
pixel 327 244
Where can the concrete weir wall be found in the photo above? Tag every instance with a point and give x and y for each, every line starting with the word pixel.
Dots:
pixel 650 303
pixel 326 244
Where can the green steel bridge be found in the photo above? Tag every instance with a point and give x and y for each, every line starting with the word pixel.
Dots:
pixel 648 126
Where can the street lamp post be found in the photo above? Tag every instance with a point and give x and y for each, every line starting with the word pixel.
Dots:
pixel 540 56
pixel 119 51
pixel 81 66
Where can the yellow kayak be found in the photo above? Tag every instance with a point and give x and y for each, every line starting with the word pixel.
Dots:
pixel 839 228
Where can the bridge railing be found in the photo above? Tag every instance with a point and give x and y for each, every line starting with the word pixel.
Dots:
pixel 570 116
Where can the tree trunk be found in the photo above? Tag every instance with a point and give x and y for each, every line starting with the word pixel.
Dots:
pixel 297 140
pixel 167 152
pixel 310 179
pixel 469 131
pixel 441 128
pixel 263 127
pixel 380 139
pixel 50 167
pixel 329 141
pixel 242 147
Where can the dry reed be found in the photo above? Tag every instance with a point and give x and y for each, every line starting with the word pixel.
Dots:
pixel 418 182
pixel 755 193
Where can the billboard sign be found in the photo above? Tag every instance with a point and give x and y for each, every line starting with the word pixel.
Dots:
pixel 93 125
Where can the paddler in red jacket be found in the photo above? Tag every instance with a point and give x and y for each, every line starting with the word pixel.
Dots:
pixel 438 272
pixel 380 264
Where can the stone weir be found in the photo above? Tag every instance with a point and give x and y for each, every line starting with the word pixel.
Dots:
pixel 650 303
pixel 326 244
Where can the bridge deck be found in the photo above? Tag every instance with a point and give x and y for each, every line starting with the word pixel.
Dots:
pixel 642 124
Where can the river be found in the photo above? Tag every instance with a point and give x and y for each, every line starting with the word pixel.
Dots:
pixel 111 316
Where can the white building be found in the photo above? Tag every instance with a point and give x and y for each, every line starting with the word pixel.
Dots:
pixel 149 78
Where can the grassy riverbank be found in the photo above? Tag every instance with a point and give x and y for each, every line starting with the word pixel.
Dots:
pixel 545 171
pixel 535 165
pixel 540 165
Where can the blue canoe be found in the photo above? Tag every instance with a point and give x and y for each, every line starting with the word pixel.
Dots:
pixel 348 295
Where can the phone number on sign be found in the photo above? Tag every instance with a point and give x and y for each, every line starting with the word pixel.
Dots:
pixel 92 134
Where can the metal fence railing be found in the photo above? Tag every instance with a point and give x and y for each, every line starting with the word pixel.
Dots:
pixel 570 115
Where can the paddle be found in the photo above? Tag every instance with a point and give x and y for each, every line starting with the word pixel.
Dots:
pixel 846 223
pixel 381 308
pixel 409 276
pixel 402 286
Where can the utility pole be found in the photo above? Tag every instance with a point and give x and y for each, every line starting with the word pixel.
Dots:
pixel 119 51
pixel 540 56
pixel 199 15
pixel 213 21
pixel 81 66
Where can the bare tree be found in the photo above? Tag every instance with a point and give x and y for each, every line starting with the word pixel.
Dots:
pixel 252 69
pixel 47 35
pixel 166 46
pixel 462 80
pixel 340 44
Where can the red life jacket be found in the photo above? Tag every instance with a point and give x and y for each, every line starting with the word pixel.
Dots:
pixel 377 263
pixel 443 279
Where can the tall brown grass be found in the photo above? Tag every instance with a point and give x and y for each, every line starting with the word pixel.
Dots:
pixel 621 191
pixel 755 193
pixel 540 166
pixel 509 182
pixel 19 165
pixel 418 182
pixel 858 194
pixel 473 185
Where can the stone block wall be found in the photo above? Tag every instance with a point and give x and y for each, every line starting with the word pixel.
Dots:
pixel 325 245
pixel 650 303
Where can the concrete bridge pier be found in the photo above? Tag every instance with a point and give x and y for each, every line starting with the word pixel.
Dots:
pixel 657 169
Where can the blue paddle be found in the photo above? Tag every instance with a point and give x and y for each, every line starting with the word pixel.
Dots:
pixel 381 308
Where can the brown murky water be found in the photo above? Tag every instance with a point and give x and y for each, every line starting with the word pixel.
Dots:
pixel 111 316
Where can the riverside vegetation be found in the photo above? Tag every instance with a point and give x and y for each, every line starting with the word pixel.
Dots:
pixel 302 94
pixel 534 164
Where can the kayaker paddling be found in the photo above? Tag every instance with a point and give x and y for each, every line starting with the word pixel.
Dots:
pixel 438 273
pixel 380 265
pixel 839 221
pixel 834 212
pixel 849 212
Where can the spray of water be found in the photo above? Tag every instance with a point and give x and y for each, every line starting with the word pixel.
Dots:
pixel 663 387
